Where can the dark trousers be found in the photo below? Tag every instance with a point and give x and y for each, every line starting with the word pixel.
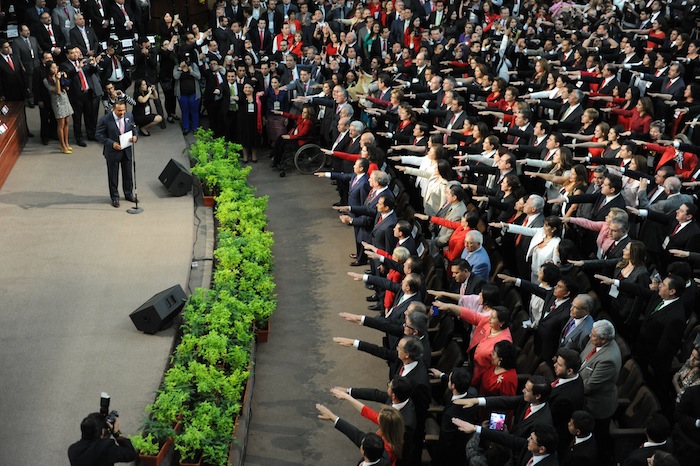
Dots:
pixel 113 164
pixel 48 122
pixel 170 101
pixel 282 145
pixel 84 107
pixel 216 117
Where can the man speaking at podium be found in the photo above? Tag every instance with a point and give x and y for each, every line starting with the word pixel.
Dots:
pixel 116 132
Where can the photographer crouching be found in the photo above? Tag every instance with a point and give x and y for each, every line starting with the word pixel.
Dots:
pixel 101 442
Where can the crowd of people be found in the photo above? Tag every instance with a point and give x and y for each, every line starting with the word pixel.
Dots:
pixel 520 179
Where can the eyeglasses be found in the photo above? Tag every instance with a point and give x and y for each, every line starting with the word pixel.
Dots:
pixel 408 327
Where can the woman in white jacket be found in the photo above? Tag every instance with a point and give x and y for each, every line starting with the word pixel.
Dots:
pixel 544 244
pixel 434 197
pixel 425 163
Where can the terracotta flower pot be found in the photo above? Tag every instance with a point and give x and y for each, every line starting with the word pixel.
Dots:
pixel 262 333
pixel 157 460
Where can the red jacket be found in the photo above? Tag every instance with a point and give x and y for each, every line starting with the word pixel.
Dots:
pixel 636 123
pixel 303 130
pixel 668 154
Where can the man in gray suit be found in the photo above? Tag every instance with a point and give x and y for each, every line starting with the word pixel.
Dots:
pixel 63 16
pixel 453 210
pixel 302 87
pixel 601 362
pixel 26 51
pixel 575 333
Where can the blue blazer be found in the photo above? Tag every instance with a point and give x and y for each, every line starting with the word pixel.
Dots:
pixel 357 193
pixel 480 262
pixel 108 133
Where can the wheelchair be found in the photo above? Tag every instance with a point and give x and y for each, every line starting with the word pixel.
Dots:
pixel 308 159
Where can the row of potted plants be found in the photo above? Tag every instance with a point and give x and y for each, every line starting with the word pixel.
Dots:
pixel 196 406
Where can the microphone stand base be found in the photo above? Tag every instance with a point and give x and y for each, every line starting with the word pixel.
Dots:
pixel 134 210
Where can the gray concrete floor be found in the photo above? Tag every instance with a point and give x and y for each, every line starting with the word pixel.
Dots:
pixel 299 364
pixel 73 268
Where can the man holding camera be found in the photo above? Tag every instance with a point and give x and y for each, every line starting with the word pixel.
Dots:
pixel 84 93
pixel 101 444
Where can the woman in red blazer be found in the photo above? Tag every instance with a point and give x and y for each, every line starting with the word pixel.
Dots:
pixel 300 135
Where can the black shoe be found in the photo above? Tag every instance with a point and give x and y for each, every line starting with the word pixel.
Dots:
pixel 115 203
pixel 162 124
pixel 372 299
pixel 30 135
pixel 357 263
pixel 376 307
pixel 144 133
pixel 131 198
pixel 185 132
pixel 176 117
pixel 368 271
pixel 81 143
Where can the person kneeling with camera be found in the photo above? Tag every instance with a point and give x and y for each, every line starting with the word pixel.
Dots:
pixel 101 443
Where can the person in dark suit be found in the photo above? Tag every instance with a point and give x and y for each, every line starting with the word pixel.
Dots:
pixel 660 329
pixel 682 233
pixel 608 197
pixel 686 433
pixel 464 281
pixel 398 28
pixel 12 81
pixel 450 448
pixel 363 220
pixel 657 432
pixel 42 98
pixel 398 396
pixel 530 409
pixel 567 392
pixel 109 129
pixel 583 451
pixel 215 89
pixel 555 313
pixel 411 366
pixel 358 181
pixel 83 93
pixel 541 444
pixel 371 445
pixel 570 115
pixel 49 36
pixel 97 15
pixel 261 38
pixel 125 19
pixel 84 37
pixel 575 333
pixel 99 445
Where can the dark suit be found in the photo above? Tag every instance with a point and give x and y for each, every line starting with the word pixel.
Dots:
pixel 639 456
pixel 358 190
pixel 408 413
pixel 84 102
pixel 42 97
pixel 581 454
pixel 44 39
pixel 216 105
pixel 563 401
pixel 420 392
pixel 356 436
pixel 75 38
pixel 107 134
pixel 685 435
pixel 120 19
pixel 451 445
pixel 572 122
pixel 518 445
pixel 96 16
pixel 266 47
pixel 600 211
pixel 522 427
pixel 394 315
pixel 552 322
pixel 14 88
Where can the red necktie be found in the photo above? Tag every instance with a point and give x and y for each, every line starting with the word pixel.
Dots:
pixel 9 62
pixel 668 85
pixel 121 125
pixel 83 81
pixel 115 62
pixel 554 384
pixel 658 72
pixel 415 142
pixel 65 10
pixel 262 39
pixel 53 39
pixel 527 412
pixel 590 355
pixel 519 238
pixel 380 220
pixel 401 370
pixel 675 230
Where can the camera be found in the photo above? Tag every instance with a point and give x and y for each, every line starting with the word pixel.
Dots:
pixel 108 417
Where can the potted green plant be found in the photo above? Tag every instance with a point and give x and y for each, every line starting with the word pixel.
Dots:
pixel 154 443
